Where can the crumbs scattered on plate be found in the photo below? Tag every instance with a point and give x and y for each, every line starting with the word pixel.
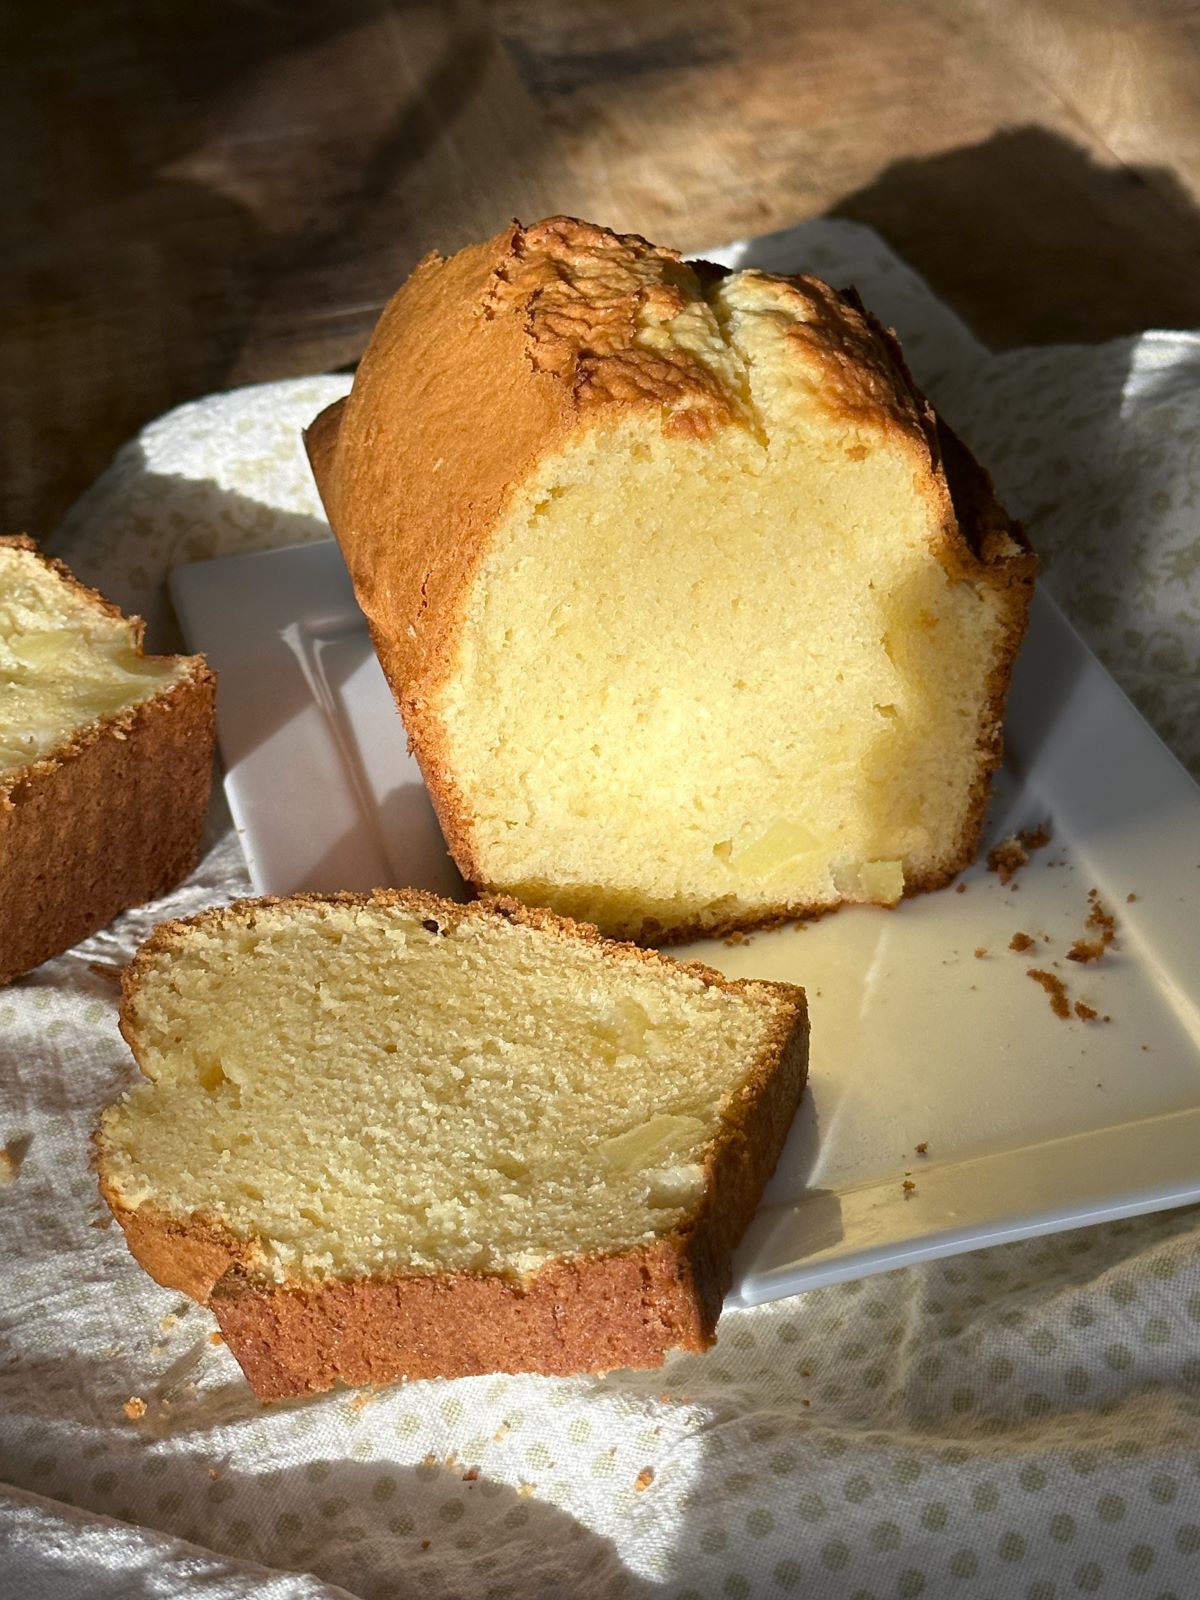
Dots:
pixel 1105 925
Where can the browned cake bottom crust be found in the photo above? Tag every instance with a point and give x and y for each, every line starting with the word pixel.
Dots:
pixel 109 822
pixel 575 1316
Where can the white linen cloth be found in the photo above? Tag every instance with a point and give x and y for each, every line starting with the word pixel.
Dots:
pixel 1023 1421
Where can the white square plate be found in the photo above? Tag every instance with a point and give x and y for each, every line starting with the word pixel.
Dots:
pixel 1032 1123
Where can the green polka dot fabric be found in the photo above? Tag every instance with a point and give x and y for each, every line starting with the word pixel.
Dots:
pixel 1022 1422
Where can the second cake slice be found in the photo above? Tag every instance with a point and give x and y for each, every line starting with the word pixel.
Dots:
pixel 389 1136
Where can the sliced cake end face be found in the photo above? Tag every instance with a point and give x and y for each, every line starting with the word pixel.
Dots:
pixel 67 659
pixel 393 1086
pixel 693 631
pixel 706 681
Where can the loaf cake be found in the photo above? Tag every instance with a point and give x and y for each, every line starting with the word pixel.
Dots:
pixel 388 1136
pixel 697 617
pixel 105 761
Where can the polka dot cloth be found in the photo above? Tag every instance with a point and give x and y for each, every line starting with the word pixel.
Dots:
pixel 1097 449
pixel 1023 1422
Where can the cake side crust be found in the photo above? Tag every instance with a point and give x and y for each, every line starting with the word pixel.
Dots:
pixel 590 1316
pixel 186 1253
pixel 1007 557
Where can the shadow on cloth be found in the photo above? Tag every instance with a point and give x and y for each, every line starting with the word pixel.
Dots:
pixel 1033 242
pixel 378 1530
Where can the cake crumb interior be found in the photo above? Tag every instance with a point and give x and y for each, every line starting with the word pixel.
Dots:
pixel 64 662
pixel 366 1090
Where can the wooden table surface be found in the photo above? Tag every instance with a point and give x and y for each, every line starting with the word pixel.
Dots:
pixel 202 195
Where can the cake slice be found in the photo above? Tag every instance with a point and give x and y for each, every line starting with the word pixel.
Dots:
pixel 696 616
pixel 388 1136
pixel 105 761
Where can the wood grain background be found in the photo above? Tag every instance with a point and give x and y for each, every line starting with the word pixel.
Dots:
pixel 201 195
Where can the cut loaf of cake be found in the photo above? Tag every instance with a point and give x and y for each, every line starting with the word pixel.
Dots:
pixel 387 1136
pixel 696 616
pixel 105 761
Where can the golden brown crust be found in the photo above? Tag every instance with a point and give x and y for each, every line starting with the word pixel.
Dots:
pixel 533 337
pixel 863 377
pixel 411 523
pixel 586 1316
pixel 583 294
pixel 620 1309
pixel 320 442
pixel 108 819
pixel 189 1254
pixel 1006 562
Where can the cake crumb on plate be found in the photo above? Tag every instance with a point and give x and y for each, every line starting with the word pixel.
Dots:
pixel 1055 988
pixel 1012 853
